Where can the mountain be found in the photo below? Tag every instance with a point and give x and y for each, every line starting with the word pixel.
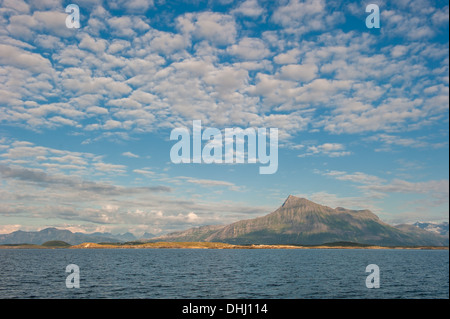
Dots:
pixel 298 221
pixel 118 237
pixel 202 233
pixel 147 236
pixel 52 234
pixel 421 235
pixel 441 228
pixel 302 222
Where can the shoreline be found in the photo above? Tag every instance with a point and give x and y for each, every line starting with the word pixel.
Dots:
pixel 212 245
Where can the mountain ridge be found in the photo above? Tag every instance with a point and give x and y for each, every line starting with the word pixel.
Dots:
pixel 302 222
pixel 52 234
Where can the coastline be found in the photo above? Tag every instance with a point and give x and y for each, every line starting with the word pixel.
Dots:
pixel 212 245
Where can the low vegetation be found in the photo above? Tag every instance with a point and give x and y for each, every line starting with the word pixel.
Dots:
pixel 56 244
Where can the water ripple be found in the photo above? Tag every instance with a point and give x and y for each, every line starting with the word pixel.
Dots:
pixel 169 273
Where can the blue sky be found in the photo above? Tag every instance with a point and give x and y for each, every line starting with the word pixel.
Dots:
pixel 86 114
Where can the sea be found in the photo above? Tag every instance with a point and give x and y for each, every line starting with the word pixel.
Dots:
pixel 224 274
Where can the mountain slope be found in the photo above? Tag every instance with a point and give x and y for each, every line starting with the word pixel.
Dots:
pixel 202 233
pixel 300 221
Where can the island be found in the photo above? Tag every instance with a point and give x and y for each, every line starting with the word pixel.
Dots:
pixel 205 245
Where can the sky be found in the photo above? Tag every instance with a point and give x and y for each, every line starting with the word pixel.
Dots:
pixel 86 113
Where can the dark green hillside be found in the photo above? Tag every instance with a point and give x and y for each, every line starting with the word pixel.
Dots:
pixel 56 244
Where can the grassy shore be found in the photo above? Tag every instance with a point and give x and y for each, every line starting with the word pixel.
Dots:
pixel 208 245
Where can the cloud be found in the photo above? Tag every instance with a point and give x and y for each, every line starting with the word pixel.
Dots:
pixel 376 186
pixel 40 22
pixel 357 177
pixel 390 141
pixel 56 161
pixel 6 229
pixel 142 79
pixel 145 172
pixel 74 183
pixel 392 114
pixel 89 43
pixel 289 57
pixel 129 154
pixel 440 17
pixel 435 187
pixel 249 8
pixel 18 5
pixel 46 4
pixel 131 6
pixel 211 183
pixel 22 59
pixel 249 49
pixel 110 168
pixel 300 17
pixel 166 42
pixel 126 26
pixel 327 149
pixel 192 217
pixel 217 28
pixel 296 72
pixel 407 23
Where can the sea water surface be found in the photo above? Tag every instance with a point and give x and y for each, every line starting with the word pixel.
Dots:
pixel 228 273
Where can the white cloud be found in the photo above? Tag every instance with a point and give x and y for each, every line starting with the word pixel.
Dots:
pixel 145 172
pixel 62 121
pixel 192 217
pixel 249 49
pixel 435 187
pixel 46 4
pixel 327 149
pixel 126 26
pixel 376 187
pixel 219 29
pixel 131 6
pixel 300 17
pixel 41 22
pixel 168 43
pixel 112 124
pixel 18 5
pixel 249 8
pixel 97 110
pixel 289 57
pixel 160 79
pixel 89 43
pixel 22 59
pixel 211 183
pixel 399 50
pixel 296 72
pixel 441 17
pixel 357 177
pixel 129 154
pixel 39 157
pixel 393 140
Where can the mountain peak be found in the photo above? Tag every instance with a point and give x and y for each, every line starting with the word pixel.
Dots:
pixel 302 222
pixel 293 201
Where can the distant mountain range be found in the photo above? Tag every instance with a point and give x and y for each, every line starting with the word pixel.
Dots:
pixel 302 222
pixel 438 228
pixel 297 222
pixel 50 234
